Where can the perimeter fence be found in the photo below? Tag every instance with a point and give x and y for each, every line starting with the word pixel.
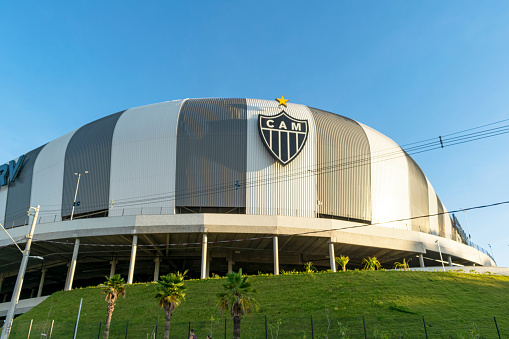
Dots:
pixel 273 327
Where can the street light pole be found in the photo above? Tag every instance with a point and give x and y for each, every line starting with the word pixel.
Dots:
pixel 76 192
pixel 491 251
pixel 19 281
pixel 441 259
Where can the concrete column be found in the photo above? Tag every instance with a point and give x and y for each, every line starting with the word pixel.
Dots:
pixel 209 259
pixel 157 261
pixel 203 273
pixel 332 256
pixel 32 292
pixel 41 283
pixel 5 298
pixel 230 263
pixel 72 266
pixel 1 281
pixel 113 266
pixel 276 256
pixel 450 260
pixel 133 260
pixel 421 260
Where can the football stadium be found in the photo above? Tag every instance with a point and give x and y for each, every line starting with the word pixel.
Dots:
pixel 213 185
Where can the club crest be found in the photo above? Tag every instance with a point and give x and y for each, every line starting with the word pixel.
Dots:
pixel 283 136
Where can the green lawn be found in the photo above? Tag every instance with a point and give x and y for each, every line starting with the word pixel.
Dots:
pixel 392 303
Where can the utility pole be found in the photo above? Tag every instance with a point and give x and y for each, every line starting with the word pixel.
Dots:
pixel 21 274
pixel 76 193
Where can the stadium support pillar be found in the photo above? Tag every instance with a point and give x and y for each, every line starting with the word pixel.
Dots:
pixel 450 260
pixel 133 259
pixel 203 273
pixel 421 260
pixel 157 261
pixel 230 262
pixel 113 265
pixel 72 266
pixel 332 256
pixel 276 256
pixel 209 260
pixel 41 283
pixel 1 281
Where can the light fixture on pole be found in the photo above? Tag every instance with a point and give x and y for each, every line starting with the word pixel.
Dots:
pixel 21 274
pixel 76 203
pixel 440 251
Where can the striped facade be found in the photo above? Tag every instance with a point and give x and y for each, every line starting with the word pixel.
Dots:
pixel 206 156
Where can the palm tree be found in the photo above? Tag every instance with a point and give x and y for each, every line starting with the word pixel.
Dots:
pixel 237 299
pixel 371 263
pixel 170 292
pixel 343 261
pixel 404 265
pixel 112 287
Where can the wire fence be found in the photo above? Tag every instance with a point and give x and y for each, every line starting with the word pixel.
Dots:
pixel 273 327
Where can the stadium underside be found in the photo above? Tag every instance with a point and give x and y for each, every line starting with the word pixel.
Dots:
pixel 176 242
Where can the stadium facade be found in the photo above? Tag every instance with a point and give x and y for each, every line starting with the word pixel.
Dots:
pixel 212 185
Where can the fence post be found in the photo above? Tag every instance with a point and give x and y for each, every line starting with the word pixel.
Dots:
pixel 155 332
pixel 364 323
pixel 126 328
pixel 312 329
pixel 30 328
pixel 498 332
pixel 425 330
pixel 189 330
pixel 51 330
pixel 99 333
pixel 266 333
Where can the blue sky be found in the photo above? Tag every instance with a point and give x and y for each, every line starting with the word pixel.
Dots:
pixel 411 69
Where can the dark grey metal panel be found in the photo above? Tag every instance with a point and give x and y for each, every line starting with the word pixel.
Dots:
pixel 344 167
pixel 89 150
pixel 419 198
pixel 211 153
pixel 18 195
pixel 441 218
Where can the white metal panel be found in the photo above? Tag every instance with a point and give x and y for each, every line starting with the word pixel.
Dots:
pixel 143 159
pixel 3 202
pixel 448 225
pixel 48 179
pixel 389 181
pixel 273 189
pixel 433 209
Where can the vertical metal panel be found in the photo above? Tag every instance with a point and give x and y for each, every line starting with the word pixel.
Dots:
pixel 89 150
pixel 419 198
pixel 433 209
pixel 18 196
pixel 3 202
pixel 274 189
pixel 143 159
pixel 343 168
pixel 389 180
pixel 211 153
pixel 48 179
pixel 441 218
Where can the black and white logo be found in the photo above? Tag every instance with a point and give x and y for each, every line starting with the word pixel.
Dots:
pixel 283 136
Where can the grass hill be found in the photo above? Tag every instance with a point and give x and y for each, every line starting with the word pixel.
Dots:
pixel 393 304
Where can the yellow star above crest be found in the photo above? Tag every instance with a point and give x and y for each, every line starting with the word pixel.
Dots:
pixel 282 101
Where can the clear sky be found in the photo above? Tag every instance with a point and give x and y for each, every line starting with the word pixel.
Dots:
pixel 412 70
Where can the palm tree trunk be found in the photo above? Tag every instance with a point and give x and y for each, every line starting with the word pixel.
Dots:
pixel 236 327
pixel 167 325
pixel 344 268
pixel 111 307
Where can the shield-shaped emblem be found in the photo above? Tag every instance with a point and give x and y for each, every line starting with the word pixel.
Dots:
pixel 283 136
